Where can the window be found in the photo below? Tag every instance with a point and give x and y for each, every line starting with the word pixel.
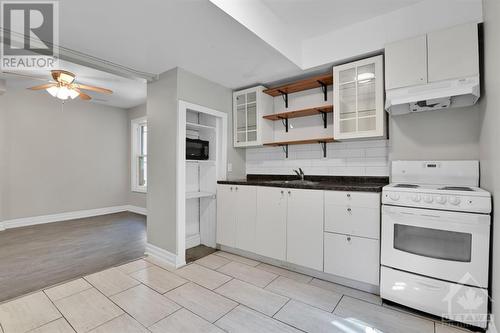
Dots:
pixel 139 154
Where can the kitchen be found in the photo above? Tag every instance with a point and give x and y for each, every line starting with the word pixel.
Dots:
pixel 253 166
pixel 356 233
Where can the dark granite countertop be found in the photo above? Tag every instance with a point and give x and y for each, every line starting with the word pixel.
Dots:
pixel 332 183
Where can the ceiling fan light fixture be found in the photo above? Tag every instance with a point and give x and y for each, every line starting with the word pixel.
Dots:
pixel 63 92
pixel 53 91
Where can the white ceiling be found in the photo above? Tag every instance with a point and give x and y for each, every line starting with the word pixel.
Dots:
pixel 309 18
pixel 156 35
pixel 126 92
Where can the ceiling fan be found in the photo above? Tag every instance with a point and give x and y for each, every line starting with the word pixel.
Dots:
pixel 64 86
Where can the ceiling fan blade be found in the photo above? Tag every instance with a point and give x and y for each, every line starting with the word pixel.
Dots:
pixel 26 76
pixel 43 86
pixel 85 97
pixel 92 88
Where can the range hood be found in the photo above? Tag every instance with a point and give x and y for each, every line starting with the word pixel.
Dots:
pixel 433 96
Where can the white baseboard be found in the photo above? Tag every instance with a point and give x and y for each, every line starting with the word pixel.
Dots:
pixel 28 221
pixel 192 241
pixel 137 210
pixel 163 256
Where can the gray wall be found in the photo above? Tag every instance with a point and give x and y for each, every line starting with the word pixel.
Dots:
pixel 61 160
pixel 163 95
pixel 441 135
pixel 3 156
pixel 162 146
pixel 134 198
pixel 490 135
pixel 195 89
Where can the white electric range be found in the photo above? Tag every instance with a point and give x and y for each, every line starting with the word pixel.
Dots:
pixel 435 239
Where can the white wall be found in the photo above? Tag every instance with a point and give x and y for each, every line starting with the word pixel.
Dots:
pixel 61 160
pixel 490 136
pixel 134 198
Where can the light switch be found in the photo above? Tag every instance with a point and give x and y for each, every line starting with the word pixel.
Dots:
pixel 229 167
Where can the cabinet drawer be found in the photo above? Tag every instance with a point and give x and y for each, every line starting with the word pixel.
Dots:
pixel 358 199
pixel 353 220
pixel 352 257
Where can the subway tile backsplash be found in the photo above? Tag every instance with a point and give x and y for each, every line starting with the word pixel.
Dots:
pixel 359 158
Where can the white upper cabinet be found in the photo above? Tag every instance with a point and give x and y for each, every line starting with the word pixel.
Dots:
pixel 359 99
pixel 406 63
pixel 440 55
pixel 453 53
pixel 249 128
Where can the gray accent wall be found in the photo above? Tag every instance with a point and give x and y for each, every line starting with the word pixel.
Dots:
pixel 490 137
pixel 163 96
pixel 134 198
pixel 451 134
pixel 162 146
pixel 56 159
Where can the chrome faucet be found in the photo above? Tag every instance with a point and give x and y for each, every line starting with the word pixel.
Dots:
pixel 300 173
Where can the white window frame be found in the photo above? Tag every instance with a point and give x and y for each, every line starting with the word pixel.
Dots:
pixel 135 125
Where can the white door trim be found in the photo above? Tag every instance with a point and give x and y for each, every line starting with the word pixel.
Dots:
pixel 221 161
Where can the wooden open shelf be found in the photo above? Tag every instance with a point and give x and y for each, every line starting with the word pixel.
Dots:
pixel 305 84
pixel 300 113
pixel 299 142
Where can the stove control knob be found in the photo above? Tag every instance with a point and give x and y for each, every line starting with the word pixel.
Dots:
pixel 440 199
pixel 394 196
pixel 454 200
pixel 428 198
pixel 416 197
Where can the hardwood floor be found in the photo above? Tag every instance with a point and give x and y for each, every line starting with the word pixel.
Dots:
pixel 35 257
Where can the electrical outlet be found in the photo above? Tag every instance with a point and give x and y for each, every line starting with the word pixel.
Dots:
pixel 229 167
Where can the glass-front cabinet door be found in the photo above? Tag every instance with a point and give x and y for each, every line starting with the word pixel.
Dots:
pixel 249 107
pixel 359 99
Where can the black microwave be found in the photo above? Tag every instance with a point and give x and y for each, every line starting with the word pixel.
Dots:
pixel 196 149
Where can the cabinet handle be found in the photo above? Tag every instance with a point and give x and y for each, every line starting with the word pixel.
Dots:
pixel 348 195
pixel 236 188
pixel 289 192
pixel 348 238
pixel 349 209
pixel 231 188
pixel 282 191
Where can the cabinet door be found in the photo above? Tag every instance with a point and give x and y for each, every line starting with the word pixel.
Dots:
pixel 226 220
pixel 352 257
pixel 305 228
pixel 245 117
pixel 270 234
pixel 453 53
pixel 359 99
pixel 406 63
pixel 246 213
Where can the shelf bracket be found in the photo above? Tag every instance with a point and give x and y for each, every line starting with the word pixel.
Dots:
pixel 324 117
pixel 323 148
pixel 284 121
pixel 285 150
pixel 285 97
pixel 323 88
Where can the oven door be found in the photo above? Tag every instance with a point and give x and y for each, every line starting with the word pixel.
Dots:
pixel 439 244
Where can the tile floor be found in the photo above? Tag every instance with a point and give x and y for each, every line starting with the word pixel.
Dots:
pixel 218 293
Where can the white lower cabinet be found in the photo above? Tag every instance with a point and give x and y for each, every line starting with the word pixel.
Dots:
pixel 305 228
pixel 351 257
pixel 236 216
pixel 226 212
pixel 270 230
pixel 334 232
